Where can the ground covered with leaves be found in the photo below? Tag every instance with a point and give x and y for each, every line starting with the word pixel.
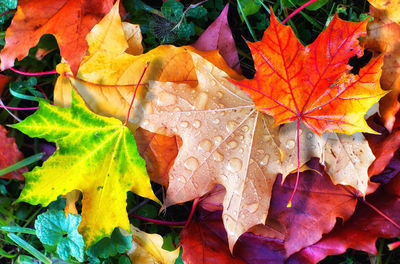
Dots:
pixel 199 131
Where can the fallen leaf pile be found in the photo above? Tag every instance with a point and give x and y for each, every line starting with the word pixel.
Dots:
pixel 205 132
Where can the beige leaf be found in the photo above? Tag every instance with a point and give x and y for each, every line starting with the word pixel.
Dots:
pixel 346 157
pixel 147 249
pixel 225 141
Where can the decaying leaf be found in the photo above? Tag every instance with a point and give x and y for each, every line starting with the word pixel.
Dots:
pixel 104 168
pixel 68 20
pixel 10 154
pixel 383 38
pixel 235 148
pixel 147 249
pixel 313 84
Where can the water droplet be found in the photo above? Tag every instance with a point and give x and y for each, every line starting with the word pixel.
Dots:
pixel 300 132
pixel 241 137
pixel 205 145
pixel 231 125
pixel 241 150
pixel 245 128
pixel 290 144
pixel 201 101
pixel 165 99
pixel 265 160
pixel 232 144
pixel 216 121
pixel 234 165
pixel 146 122
pixel 218 139
pixel 191 163
pixel 196 185
pixel 220 95
pixel 218 156
pixel 309 135
pixel 252 208
pixel 184 124
pixel 267 138
pixel 356 159
pixel 197 124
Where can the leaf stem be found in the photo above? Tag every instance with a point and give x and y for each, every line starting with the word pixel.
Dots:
pixel 289 204
pixel 159 222
pixel 134 93
pixel 34 73
pixel 297 11
pixel 381 213
pixel 19 108
pixel 194 205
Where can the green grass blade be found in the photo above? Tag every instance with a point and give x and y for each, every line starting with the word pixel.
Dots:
pixel 18 229
pixel 5 254
pixel 25 245
pixel 246 21
pixel 21 163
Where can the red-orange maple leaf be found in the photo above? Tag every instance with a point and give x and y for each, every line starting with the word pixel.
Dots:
pixel 9 154
pixel 68 20
pixel 313 84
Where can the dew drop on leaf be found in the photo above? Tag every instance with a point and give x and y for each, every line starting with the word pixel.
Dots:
pixel 218 156
pixel 205 145
pixel 197 124
pixel 234 165
pixel 191 164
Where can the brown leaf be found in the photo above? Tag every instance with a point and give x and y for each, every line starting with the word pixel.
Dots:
pixel 383 38
pixel 235 148
pixel 9 154
pixel 4 80
pixel 68 20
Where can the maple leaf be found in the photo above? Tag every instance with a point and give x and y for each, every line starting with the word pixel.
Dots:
pixel 9 154
pixel 382 38
pixel 147 249
pixel 360 232
pixel 312 84
pixel 346 157
pixel 235 149
pixel 219 36
pixel 108 74
pixel 204 241
pixel 36 18
pixel 318 204
pixel 96 155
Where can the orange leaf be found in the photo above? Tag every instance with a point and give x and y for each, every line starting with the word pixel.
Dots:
pixel 68 20
pixel 314 84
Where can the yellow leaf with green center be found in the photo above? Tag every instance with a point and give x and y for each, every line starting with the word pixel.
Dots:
pixel 96 155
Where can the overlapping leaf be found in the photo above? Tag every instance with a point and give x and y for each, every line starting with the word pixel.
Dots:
pixel 68 20
pixel 96 155
pixel 235 148
pixel 313 84
pixel 382 38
